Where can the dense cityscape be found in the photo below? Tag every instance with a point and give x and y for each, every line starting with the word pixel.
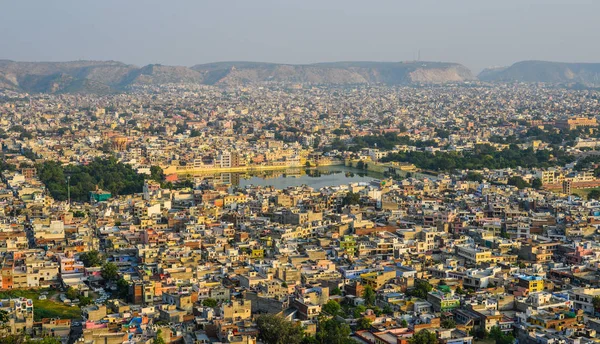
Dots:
pixel 452 213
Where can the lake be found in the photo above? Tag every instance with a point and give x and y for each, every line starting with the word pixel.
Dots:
pixel 316 177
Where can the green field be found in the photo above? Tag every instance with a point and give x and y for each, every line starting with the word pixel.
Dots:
pixel 44 308
pixel 583 192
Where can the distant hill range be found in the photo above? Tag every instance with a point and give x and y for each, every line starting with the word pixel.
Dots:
pixel 587 74
pixel 110 76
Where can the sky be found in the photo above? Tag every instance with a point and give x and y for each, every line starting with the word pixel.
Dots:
pixel 478 34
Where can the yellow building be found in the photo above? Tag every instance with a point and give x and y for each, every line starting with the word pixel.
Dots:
pixel 532 283
pixel 377 279
pixel 257 253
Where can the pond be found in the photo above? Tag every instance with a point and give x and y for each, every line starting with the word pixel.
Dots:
pixel 316 177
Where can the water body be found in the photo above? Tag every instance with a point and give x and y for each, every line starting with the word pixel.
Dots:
pixel 316 177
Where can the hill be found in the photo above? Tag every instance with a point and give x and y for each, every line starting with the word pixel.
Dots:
pixel 335 72
pixel 547 72
pixel 112 76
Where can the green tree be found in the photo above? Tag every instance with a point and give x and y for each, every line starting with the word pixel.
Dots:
pixel 72 293
pixel 212 303
pixel 331 331
pixel 352 198
pixel 448 323
pixel 122 288
pixel 336 291
pixel 3 316
pixel 91 258
pixel 156 173
pixel 404 323
pixel 388 310
pixel 331 307
pixel 22 339
pixel 536 183
pixel 274 329
pixel 79 214
pixel 109 271
pixel 518 181
pixel 594 194
pixel 84 301
pixel 420 289
pixel 596 303
pixel 158 339
pixel 369 295
pixel 359 310
pixel 363 324
pixel 107 174
pixel 474 177
pixel 480 332
pixel 424 337
pixel 500 337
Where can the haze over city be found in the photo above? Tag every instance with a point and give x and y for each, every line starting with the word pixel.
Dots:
pixel 477 34
pixel 299 172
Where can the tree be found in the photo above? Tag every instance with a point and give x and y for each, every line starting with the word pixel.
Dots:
pixel 3 316
pixel 594 194
pixel 72 293
pixel 596 303
pixel 274 329
pixel 78 213
pixel 212 303
pixel 421 289
pixel 480 332
pixel 448 323
pixel 362 165
pixel 22 339
pixel 331 331
pixel 158 339
pixel 424 337
pixel 107 174
pixel 331 307
pixel 109 271
pixel 363 323
pixel 359 310
pixel 536 183
pixel 501 337
pixel 518 181
pixel 352 198
pixel 387 310
pixel 404 323
pixel 122 288
pixel 156 173
pixel 474 177
pixel 369 295
pixel 336 291
pixel 91 258
pixel 84 301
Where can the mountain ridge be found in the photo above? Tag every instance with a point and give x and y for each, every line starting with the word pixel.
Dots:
pixel 97 76
pixel 585 73
pixel 85 76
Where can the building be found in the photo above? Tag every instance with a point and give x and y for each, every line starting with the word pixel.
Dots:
pixel 582 298
pixel 532 283
pixel 443 301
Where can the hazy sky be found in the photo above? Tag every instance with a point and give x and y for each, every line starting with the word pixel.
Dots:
pixel 477 33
